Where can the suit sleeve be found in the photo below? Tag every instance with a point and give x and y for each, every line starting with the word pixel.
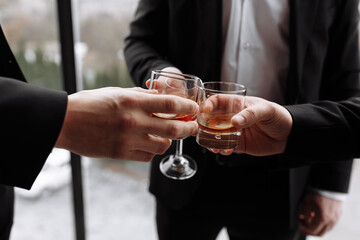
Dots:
pixel 146 46
pixel 340 81
pixel 31 119
pixel 324 132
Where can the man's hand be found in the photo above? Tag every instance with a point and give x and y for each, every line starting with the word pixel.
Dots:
pixel 319 214
pixel 265 128
pixel 117 123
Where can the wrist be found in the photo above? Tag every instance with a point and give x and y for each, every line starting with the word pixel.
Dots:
pixel 61 141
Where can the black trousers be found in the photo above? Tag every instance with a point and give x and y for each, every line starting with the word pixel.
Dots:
pixel 6 211
pixel 195 224
pixel 249 200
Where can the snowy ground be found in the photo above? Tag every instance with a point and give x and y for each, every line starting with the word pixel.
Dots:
pixel 118 205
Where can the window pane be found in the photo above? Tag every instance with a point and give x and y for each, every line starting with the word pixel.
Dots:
pixel 103 26
pixel 118 204
pixel 31 29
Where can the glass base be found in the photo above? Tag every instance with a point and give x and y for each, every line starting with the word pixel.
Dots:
pixel 218 141
pixel 178 167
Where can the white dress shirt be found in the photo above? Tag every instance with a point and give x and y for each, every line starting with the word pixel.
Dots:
pixel 256 51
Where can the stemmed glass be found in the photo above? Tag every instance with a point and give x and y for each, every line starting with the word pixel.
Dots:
pixel 176 166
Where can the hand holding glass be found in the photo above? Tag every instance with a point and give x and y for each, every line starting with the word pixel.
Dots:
pixel 218 103
pixel 177 166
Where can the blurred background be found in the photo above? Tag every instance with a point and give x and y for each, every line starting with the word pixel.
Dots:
pixel 117 202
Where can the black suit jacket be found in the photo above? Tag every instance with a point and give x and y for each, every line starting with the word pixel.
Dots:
pixel 323 66
pixel 31 119
pixel 330 134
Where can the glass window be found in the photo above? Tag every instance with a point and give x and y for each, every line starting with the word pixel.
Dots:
pixel 118 204
pixel 31 29
pixel 103 26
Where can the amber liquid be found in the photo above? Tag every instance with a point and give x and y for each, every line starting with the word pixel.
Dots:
pixel 216 131
pixel 174 116
pixel 217 124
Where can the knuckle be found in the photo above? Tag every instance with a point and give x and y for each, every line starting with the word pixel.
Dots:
pixel 128 100
pixel 170 104
pixel 174 131
pixel 163 146
pixel 127 122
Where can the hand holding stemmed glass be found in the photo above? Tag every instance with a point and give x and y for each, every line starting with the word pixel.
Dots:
pixel 176 166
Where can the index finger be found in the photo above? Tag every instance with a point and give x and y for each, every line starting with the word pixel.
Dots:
pixel 156 103
pixel 223 102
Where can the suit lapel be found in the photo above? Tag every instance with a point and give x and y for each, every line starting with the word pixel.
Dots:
pixel 302 16
pixel 8 64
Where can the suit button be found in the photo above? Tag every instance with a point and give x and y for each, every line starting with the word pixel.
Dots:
pixel 246 45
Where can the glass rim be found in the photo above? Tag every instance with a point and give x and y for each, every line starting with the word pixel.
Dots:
pixel 164 74
pixel 242 88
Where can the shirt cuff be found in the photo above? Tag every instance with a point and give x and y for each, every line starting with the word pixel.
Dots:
pixel 330 194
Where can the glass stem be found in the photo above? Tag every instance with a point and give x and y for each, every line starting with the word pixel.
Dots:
pixel 179 148
pixel 178 152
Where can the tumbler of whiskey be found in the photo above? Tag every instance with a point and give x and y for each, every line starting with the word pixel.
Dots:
pixel 218 103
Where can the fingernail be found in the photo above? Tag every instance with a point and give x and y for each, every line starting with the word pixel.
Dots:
pixel 239 119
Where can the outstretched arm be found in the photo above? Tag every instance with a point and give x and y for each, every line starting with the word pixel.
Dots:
pixel 117 123
pixel 109 122
pixel 326 128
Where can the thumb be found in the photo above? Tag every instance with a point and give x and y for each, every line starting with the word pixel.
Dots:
pixel 239 121
pixel 243 119
pixel 251 115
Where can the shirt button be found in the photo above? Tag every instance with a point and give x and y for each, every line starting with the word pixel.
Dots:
pixel 246 45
